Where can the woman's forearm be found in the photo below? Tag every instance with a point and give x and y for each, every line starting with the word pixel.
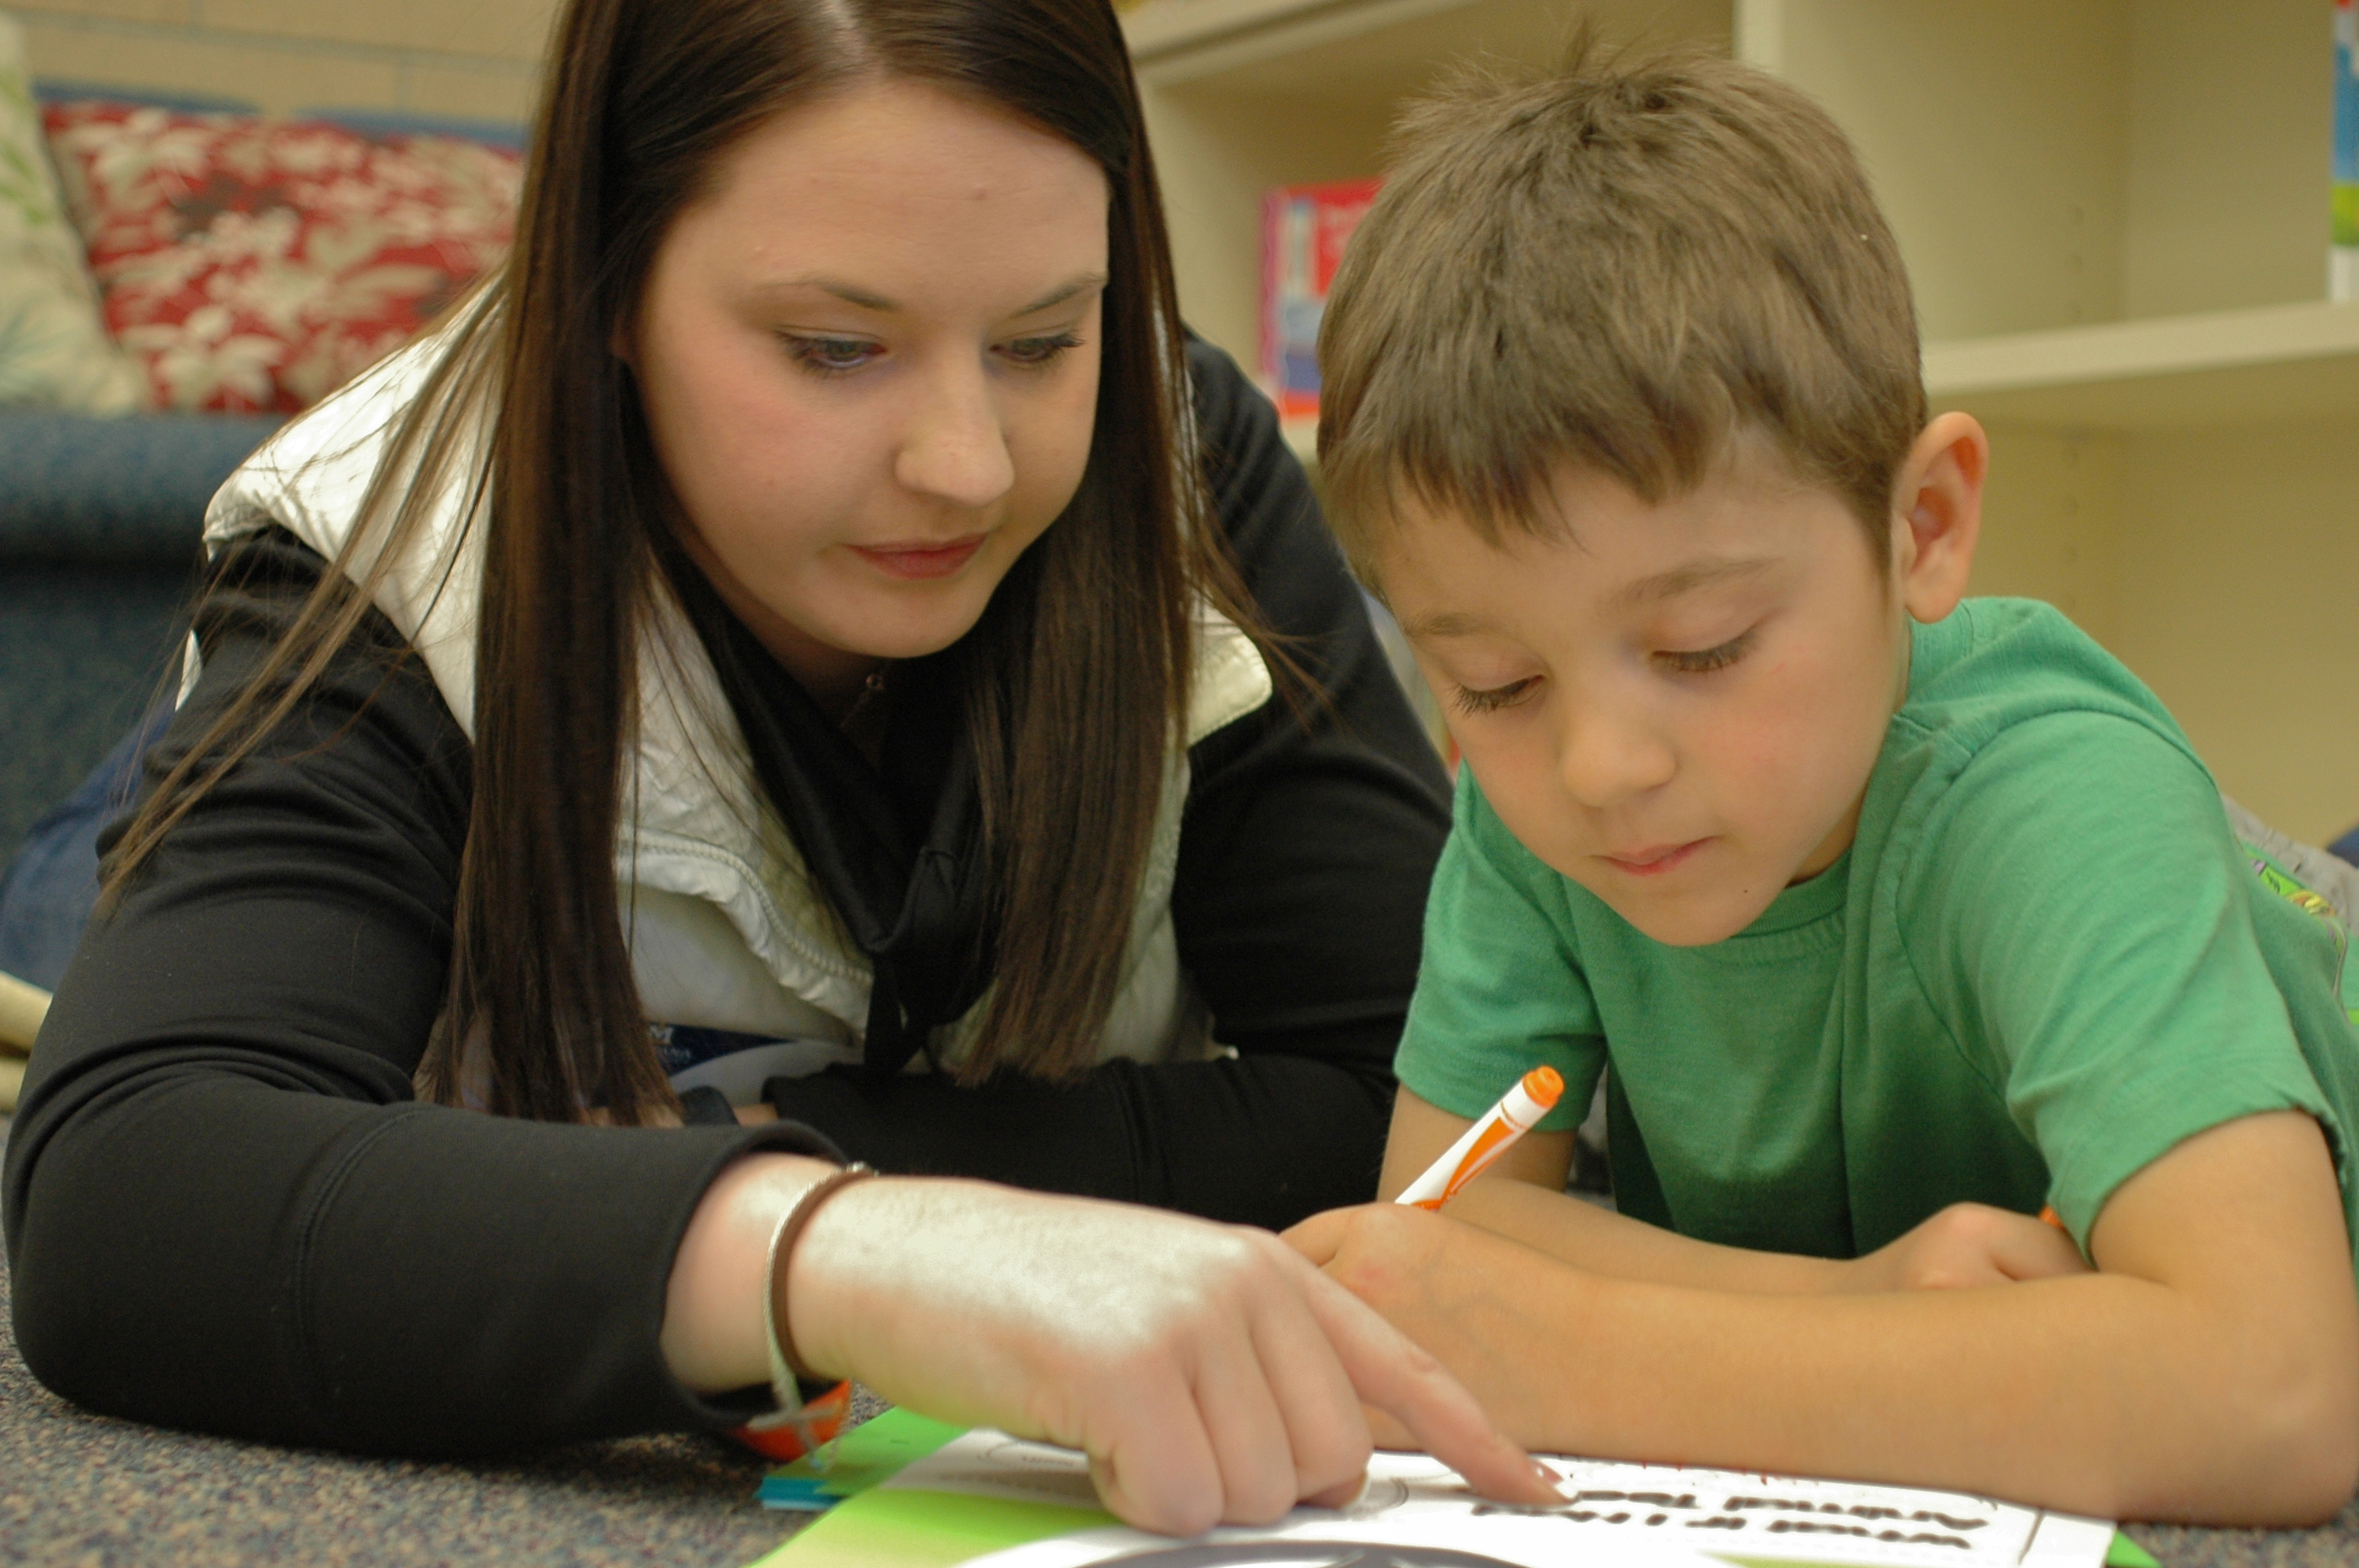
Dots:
pixel 714 1338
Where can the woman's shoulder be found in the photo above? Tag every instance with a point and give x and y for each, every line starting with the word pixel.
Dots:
pixel 1235 425
pixel 311 477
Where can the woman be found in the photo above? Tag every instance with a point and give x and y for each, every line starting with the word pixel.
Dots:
pixel 810 535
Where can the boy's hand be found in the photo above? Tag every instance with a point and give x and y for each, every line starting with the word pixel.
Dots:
pixel 1460 1293
pixel 1964 1246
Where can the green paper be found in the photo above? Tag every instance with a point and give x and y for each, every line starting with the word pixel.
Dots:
pixel 2127 1554
pixel 924 1530
pixel 874 1451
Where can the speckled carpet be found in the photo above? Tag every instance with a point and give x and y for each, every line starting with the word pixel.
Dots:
pixel 87 1491
pixel 81 1489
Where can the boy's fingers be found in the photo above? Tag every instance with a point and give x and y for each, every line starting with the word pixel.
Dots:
pixel 2040 1251
pixel 1320 1237
pixel 1396 1377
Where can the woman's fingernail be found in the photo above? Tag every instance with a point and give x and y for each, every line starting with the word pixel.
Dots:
pixel 1547 1477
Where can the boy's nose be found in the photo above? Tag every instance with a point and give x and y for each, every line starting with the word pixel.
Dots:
pixel 1605 757
pixel 954 445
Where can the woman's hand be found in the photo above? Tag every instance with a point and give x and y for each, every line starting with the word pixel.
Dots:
pixel 1212 1374
pixel 1964 1246
pixel 1474 1299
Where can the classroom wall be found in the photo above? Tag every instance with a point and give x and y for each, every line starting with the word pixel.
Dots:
pixel 471 57
pixel 2218 563
pixel 2238 556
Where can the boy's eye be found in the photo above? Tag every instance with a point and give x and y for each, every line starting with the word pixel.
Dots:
pixel 1703 661
pixel 1034 353
pixel 1468 700
pixel 830 356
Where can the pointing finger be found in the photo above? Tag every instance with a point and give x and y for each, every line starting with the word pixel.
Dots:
pixel 1397 1378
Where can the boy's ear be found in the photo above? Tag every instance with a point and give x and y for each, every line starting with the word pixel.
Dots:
pixel 1938 507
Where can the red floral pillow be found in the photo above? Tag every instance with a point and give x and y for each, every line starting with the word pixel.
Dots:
pixel 258 264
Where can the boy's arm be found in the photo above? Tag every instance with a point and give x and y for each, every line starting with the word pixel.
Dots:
pixel 2209 1371
pixel 1521 1197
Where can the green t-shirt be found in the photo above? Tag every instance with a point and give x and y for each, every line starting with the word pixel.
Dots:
pixel 2043 962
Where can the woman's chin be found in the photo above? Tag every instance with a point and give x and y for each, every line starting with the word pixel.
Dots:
pixel 891 632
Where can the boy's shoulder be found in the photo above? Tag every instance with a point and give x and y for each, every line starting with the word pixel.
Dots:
pixel 2025 756
pixel 1994 665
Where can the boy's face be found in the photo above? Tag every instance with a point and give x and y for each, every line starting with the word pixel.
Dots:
pixel 1677 706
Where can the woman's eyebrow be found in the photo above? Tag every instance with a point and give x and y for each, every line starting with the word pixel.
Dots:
pixel 869 299
pixel 1088 282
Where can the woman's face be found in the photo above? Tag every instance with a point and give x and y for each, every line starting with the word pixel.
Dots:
pixel 869 361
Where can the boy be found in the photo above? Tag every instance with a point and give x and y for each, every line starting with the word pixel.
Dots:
pixel 1898 917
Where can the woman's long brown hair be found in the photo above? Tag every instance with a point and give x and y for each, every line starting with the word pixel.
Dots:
pixel 1076 677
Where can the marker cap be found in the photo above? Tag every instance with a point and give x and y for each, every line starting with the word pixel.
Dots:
pixel 1533 1098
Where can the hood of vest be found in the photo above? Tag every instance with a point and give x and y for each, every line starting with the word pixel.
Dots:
pixel 728 928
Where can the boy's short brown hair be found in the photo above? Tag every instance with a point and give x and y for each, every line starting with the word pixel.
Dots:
pixel 1622 265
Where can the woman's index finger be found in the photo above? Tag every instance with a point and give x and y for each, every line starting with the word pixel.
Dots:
pixel 1393 1375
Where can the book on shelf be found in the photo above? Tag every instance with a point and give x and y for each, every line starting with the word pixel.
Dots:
pixel 2342 252
pixel 1303 230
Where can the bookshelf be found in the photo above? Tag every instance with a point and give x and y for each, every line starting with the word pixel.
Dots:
pixel 2115 215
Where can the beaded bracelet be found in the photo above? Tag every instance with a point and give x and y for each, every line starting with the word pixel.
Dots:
pixel 786 1373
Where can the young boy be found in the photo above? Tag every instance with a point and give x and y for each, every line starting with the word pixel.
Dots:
pixel 1899 917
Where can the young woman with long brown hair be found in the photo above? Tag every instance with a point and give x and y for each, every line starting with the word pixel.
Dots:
pixel 818 603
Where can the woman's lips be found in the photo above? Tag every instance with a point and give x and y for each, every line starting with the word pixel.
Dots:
pixel 915 562
pixel 1654 859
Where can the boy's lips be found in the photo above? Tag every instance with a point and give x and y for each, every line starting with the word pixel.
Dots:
pixel 1653 860
pixel 918 560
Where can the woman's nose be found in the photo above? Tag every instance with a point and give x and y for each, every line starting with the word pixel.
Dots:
pixel 1608 754
pixel 955 446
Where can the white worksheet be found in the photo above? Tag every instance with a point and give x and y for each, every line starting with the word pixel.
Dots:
pixel 1416 1513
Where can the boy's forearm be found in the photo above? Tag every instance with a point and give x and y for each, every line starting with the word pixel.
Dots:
pixel 2212 1374
pixel 1598 1241
pixel 2100 1394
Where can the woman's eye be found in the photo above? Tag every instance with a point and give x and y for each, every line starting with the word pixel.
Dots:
pixel 1035 352
pixel 832 356
pixel 1703 661
pixel 1469 700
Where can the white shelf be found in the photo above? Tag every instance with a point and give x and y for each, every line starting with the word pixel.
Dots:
pixel 2219 367
pixel 1173 41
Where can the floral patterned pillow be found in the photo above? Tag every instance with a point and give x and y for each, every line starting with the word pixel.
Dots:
pixel 253 264
pixel 54 350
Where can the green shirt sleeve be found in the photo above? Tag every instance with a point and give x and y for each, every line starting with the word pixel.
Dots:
pixel 1499 992
pixel 2078 914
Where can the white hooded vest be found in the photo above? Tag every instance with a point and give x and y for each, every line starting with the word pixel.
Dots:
pixel 726 927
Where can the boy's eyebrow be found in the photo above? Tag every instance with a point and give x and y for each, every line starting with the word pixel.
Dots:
pixel 1646 590
pixel 1447 624
pixel 1689 577
pixel 868 299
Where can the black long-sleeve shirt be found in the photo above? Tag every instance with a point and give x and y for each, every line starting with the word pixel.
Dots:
pixel 226 1210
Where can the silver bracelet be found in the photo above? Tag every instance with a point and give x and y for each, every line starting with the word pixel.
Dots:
pixel 784 1375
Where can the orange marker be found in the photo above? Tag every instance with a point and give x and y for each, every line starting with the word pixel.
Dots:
pixel 1518 1112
